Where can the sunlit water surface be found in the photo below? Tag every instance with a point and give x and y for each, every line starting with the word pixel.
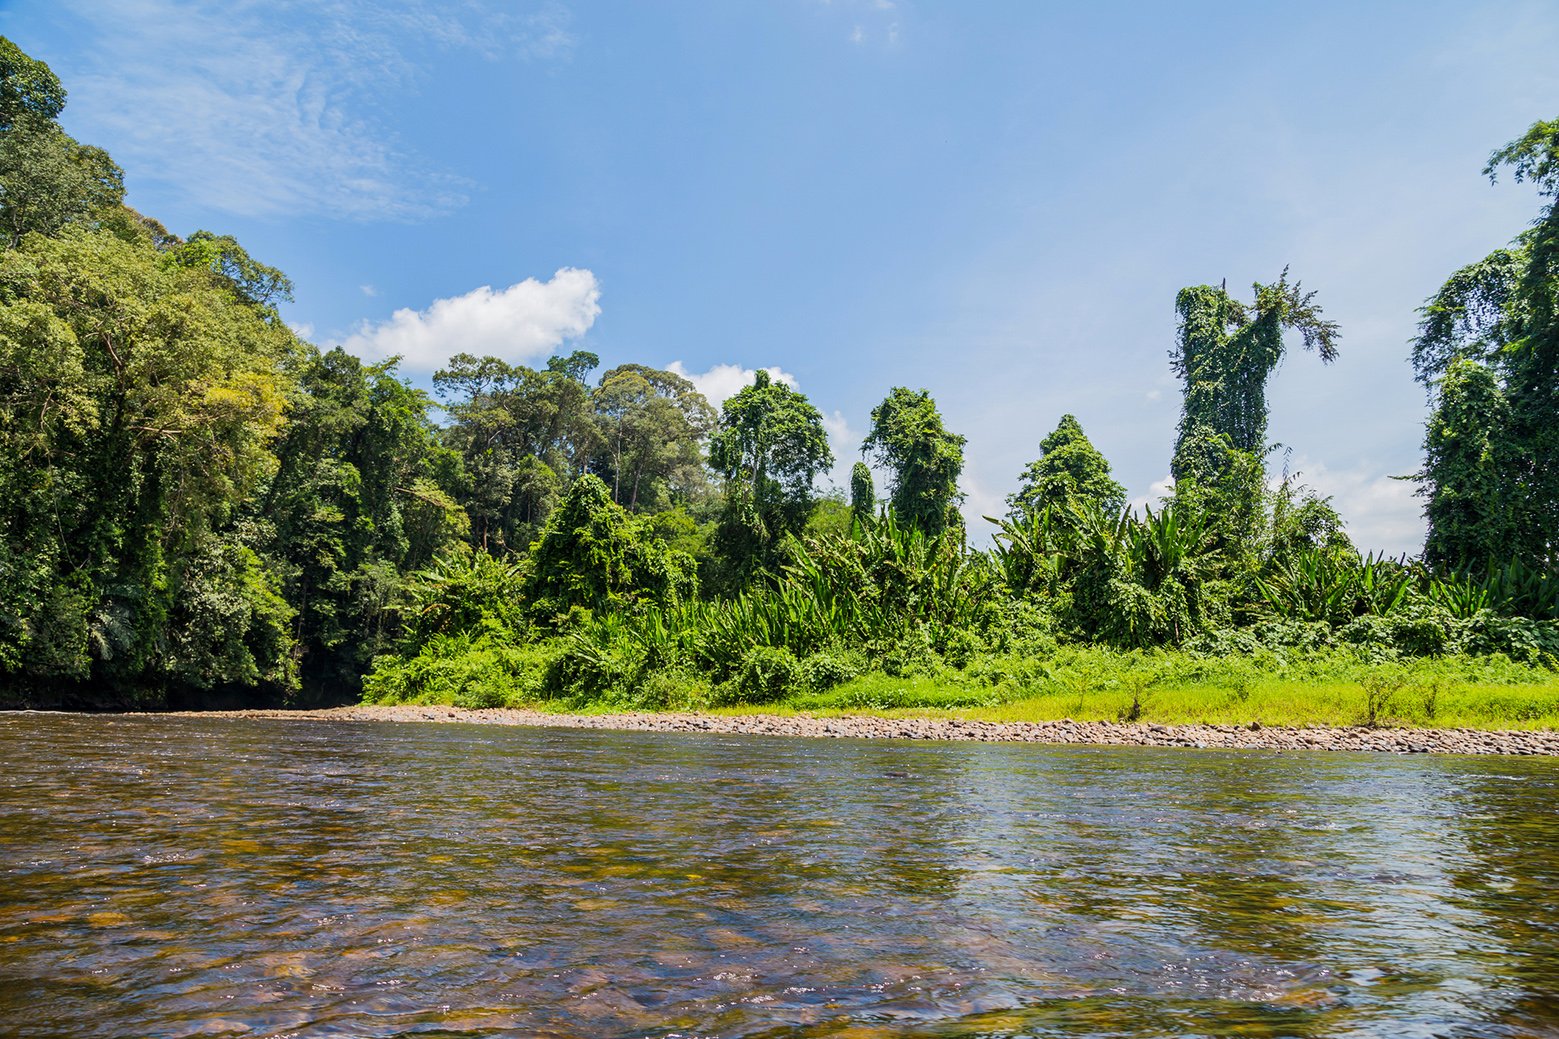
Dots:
pixel 177 877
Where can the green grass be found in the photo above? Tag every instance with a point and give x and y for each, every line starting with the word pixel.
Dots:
pixel 1299 687
pixel 1311 689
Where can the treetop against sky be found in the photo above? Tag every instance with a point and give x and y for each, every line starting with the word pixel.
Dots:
pixel 996 202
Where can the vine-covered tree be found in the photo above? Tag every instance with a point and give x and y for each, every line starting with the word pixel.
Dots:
pixel 863 494
pixel 1069 472
pixel 1467 468
pixel 593 555
pixel 925 460
pixel 1225 354
pixel 1500 315
pixel 138 401
pixel 358 498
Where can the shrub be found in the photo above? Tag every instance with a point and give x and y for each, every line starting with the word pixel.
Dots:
pixel 1380 689
pixel 473 671
pixel 767 674
pixel 825 669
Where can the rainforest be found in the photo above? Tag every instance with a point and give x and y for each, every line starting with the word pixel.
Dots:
pixel 200 508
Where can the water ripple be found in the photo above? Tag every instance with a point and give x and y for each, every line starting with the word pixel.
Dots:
pixel 199 877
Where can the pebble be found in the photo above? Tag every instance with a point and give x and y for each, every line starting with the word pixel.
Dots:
pixel 1253 736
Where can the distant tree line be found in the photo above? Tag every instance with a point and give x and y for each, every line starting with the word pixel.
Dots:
pixel 197 506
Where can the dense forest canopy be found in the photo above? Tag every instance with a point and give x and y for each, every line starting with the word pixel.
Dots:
pixel 196 505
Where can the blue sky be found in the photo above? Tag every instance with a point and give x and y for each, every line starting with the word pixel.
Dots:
pixel 994 201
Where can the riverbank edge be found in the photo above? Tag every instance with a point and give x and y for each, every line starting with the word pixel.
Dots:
pixel 859 726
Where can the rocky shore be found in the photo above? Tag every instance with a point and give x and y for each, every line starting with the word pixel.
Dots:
pixel 1243 737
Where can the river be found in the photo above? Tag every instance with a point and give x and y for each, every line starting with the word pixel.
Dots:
pixel 183 877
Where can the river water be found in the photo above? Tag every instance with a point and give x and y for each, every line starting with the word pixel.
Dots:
pixel 182 877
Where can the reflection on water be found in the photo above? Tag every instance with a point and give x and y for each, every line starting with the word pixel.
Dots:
pixel 180 877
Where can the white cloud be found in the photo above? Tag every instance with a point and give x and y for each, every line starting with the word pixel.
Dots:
pixel 858 35
pixel 845 442
pixel 723 381
pixel 528 319
pixel 369 290
pixel 1157 492
pixel 273 107
pixel 980 501
pixel 1381 514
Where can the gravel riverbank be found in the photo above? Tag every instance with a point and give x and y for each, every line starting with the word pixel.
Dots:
pixel 1251 737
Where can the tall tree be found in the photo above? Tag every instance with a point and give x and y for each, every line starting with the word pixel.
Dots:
pixel 139 402
pixel 769 448
pixel 652 426
pixel 522 434
pixel 1068 472
pixel 47 179
pixel 1502 313
pixel 909 440
pixel 358 497
pixel 28 88
pixel 1466 470
pixel 1225 354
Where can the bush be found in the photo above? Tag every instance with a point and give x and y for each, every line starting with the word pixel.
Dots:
pixel 825 669
pixel 473 671
pixel 589 671
pixel 767 674
pixel 910 655
pixel 1520 639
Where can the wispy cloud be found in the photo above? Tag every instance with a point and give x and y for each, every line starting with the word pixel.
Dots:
pixel 526 320
pixel 870 20
pixel 274 107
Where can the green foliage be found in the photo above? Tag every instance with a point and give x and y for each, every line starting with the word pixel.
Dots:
pixel 194 503
pixel 28 88
pixel 593 555
pixel 252 282
pixel 355 502
pixel 1225 355
pixel 826 669
pixel 1470 512
pixel 830 516
pixel 1318 585
pixel 137 406
pixel 472 670
pixel 908 439
pixel 651 424
pixel 460 593
pixel 1069 472
pixel 766 675
pixel 863 495
pixel 47 179
pixel 1123 579
pixel 521 435
pixel 1488 343
pixel 769 448
pixel 772 439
